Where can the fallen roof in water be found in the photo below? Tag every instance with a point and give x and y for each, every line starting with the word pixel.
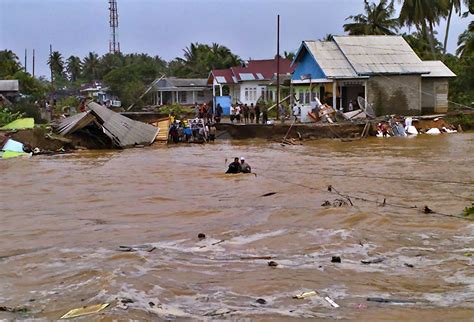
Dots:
pixel 123 132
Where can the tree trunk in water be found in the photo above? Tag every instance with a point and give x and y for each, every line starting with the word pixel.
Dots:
pixel 448 22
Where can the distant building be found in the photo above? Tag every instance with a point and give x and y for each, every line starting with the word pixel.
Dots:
pixel 183 91
pixel 384 70
pixel 247 84
pixel 10 89
pixel 99 93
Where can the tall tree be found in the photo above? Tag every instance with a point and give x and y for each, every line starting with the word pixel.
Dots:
pixel 377 20
pixel 90 69
pixel 199 59
pixel 9 63
pixel 466 42
pixel 454 6
pixel 424 15
pixel 74 68
pixel 56 63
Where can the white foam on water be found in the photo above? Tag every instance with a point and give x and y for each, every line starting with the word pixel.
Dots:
pixel 243 240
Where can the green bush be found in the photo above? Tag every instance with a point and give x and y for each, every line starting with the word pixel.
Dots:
pixel 27 110
pixel 176 109
pixel 7 116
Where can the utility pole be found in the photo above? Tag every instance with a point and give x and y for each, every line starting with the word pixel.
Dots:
pixel 278 66
pixel 33 63
pixel 26 61
pixel 114 44
pixel 51 69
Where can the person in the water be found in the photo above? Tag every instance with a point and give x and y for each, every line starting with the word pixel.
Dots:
pixel 245 166
pixel 234 167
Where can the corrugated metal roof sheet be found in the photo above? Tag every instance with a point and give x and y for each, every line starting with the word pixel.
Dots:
pixel 380 55
pixel 437 69
pixel 330 59
pixel 9 85
pixel 123 132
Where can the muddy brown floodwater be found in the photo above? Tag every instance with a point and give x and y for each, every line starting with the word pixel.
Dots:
pixel 63 219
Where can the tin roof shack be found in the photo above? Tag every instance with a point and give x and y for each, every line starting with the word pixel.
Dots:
pixel 9 89
pixel 382 69
pixel 183 91
pixel 108 128
pixel 434 87
pixel 249 83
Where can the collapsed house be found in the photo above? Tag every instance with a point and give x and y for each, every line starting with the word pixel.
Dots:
pixel 109 128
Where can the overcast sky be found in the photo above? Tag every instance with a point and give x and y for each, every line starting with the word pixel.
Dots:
pixel 165 27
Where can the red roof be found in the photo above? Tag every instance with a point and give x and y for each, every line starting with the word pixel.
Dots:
pixel 264 69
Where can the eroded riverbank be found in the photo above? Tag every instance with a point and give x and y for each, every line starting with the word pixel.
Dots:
pixel 64 217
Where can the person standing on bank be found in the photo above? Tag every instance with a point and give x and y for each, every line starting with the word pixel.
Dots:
pixel 219 112
pixel 245 111
pixel 252 113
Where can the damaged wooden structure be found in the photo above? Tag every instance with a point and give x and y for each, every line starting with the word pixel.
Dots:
pixel 106 125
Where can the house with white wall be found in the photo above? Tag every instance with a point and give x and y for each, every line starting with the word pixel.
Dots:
pixel 183 91
pixel 248 83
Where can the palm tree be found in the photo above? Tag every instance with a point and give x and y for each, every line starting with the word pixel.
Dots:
pixel 377 20
pixel 466 42
pixel 454 5
pixel 74 67
pixel 90 68
pixel 9 63
pixel 424 14
pixel 56 63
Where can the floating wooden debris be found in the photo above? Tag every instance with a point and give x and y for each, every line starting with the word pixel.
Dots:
pixel 86 310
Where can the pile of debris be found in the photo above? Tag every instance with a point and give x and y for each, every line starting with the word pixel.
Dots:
pixel 110 128
pixel 10 148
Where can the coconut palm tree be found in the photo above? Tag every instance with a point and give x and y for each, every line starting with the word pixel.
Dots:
pixel 56 63
pixel 74 67
pixel 424 15
pixel 9 63
pixel 377 20
pixel 90 69
pixel 466 42
pixel 454 6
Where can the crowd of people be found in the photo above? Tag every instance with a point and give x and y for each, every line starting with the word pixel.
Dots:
pixel 248 114
pixel 207 113
pixel 192 131
pixel 239 167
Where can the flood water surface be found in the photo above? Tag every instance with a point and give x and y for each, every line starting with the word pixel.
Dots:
pixel 64 218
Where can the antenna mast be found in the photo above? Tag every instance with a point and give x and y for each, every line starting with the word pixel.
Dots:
pixel 114 45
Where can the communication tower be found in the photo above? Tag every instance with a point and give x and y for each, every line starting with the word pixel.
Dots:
pixel 114 44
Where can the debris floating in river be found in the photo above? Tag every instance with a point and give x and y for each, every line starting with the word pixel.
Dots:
pixel 336 259
pixel 272 264
pixel 305 295
pixel 372 261
pixel 86 310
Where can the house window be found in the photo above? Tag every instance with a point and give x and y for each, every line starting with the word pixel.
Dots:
pixel 200 94
pixel 246 95
pixel 300 97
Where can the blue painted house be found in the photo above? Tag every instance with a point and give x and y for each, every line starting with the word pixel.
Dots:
pixel 382 69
